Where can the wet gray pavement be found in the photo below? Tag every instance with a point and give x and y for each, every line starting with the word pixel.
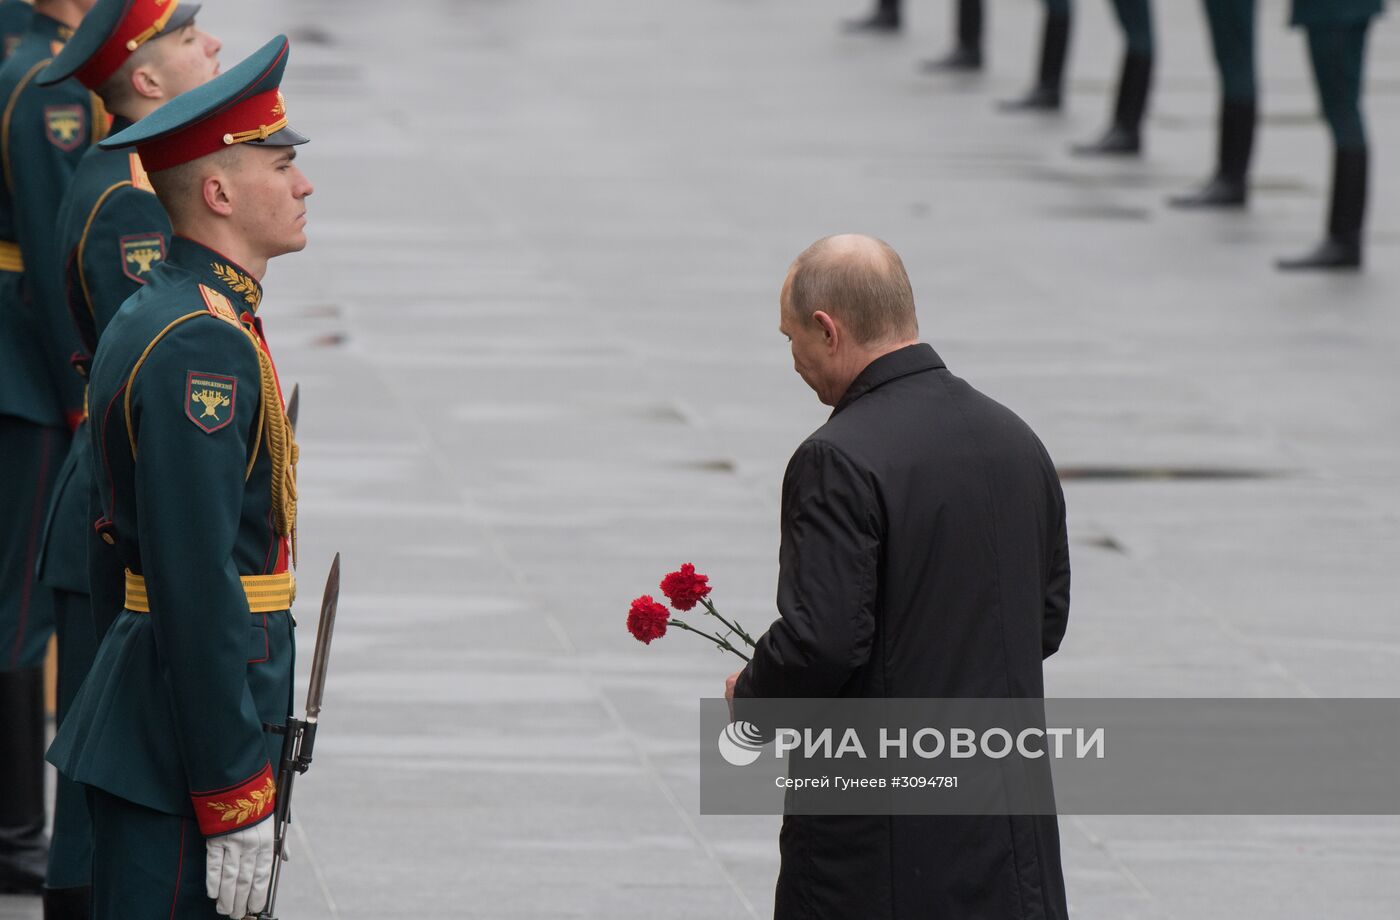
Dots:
pixel 535 333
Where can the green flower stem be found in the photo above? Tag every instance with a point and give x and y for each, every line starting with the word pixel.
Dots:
pixel 722 643
pixel 732 625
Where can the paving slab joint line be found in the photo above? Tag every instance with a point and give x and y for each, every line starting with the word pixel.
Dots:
pixel 1247 641
pixel 304 841
pixel 502 555
pixel 1100 844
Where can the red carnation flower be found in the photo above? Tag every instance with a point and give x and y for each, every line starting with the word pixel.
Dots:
pixel 685 588
pixel 647 619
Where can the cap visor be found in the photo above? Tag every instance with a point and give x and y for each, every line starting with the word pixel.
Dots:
pixel 56 72
pixel 284 138
pixel 183 15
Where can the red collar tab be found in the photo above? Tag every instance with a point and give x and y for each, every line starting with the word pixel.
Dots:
pixel 254 119
pixel 142 22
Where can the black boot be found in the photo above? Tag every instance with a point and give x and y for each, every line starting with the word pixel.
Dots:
pixel 967 56
pixel 67 903
pixel 1045 96
pixel 23 848
pixel 1124 136
pixel 1342 248
pixel 884 18
pixel 1230 186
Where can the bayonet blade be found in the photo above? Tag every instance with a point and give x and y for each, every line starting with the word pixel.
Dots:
pixel 321 658
pixel 293 405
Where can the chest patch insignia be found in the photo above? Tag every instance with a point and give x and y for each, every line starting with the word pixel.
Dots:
pixel 11 43
pixel 209 400
pixel 65 126
pixel 140 253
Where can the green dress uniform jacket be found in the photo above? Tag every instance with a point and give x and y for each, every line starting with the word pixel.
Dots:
pixel 193 458
pixel 112 233
pixel 1334 12
pixel 43 134
pixel 14 19
pixel 46 130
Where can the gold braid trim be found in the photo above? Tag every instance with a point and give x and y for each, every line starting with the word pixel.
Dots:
pixel 282 449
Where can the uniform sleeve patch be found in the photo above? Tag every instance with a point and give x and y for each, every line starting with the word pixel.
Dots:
pixel 140 253
pixel 66 126
pixel 210 400
pixel 219 305
pixel 139 178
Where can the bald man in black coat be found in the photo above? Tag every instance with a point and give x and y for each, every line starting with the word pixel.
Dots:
pixel 924 555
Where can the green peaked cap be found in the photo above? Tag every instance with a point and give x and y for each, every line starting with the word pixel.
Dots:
pixel 241 105
pixel 96 41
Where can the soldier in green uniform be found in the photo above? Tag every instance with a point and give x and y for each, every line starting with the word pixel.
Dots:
pixel 1337 46
pixel 14 19
pixel 1232 39
pixel 967 26
pixel 111 233
pixel 1048 92
pixel 195 464
pixel 43 134
pixel 1124 134
pixel 966 55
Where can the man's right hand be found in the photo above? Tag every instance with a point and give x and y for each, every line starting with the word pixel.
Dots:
pixel 238 870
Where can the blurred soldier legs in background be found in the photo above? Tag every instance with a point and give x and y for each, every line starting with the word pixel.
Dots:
pixel 1338 61
pixel 32 453
pixel 1046 95
pixel 967 54
pixel 1124 135
pixel 66 894
pixel 884 18
pixel 1232 38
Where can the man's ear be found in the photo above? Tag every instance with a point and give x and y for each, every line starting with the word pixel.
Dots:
pixel 218 197
pixel 829 329
pixel 146 83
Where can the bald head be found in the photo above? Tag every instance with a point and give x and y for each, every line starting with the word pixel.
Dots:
pixel 860 281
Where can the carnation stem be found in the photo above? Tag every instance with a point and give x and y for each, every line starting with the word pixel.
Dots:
pixel 717 640
pixel 734 625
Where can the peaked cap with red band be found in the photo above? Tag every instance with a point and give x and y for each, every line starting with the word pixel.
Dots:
pixel 240 106
pixel 111 32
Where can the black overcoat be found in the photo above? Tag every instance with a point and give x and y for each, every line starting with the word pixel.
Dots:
pixel 923 555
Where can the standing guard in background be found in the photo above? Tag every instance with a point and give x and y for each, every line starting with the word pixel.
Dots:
pixel 44 131
pixel 112 232
pixel 969 18
pixel 1232 38
pixel 195 463
pixel 14 19
pixel 1047 94
pixel 1124 134
pixel 1337 46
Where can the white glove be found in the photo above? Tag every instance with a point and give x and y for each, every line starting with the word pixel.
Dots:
pixel 238 870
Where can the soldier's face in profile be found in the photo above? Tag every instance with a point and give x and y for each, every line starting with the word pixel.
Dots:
pixel 271 195
pixel 185 59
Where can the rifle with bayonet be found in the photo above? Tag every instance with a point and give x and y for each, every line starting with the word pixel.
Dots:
pixel 299 735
